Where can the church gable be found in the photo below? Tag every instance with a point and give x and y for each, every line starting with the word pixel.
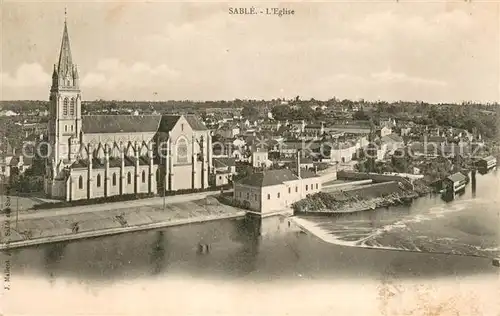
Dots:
pixel 173 126
pixel 167 123
pixel 182 128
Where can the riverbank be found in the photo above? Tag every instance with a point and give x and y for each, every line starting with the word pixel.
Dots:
pixel 359 199
pixel 34 231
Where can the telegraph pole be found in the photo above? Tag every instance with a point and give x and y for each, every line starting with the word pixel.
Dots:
pixel 17 208
pixel 164 182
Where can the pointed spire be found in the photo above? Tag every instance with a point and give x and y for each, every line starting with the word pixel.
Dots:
pixel 65 64
pixel 75 73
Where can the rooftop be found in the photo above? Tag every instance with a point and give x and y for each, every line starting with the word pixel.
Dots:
pixel 96 124
pixel 269 178
pixel 392 138
pixel 223 162
pixel 457 177
pixel 274 177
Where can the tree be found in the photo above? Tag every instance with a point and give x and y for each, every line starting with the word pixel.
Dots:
pixel 361 116
pixel 361 166
pixel 305 112
pixel 250 112
pixel 281 112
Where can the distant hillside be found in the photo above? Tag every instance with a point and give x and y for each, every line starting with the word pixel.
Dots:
pixel 21 106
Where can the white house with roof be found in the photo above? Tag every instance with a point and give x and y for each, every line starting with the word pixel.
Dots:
pixel 260 158
pixel 455 182
pixel 316 129
pixel 393 142
pixel 12 162
pixel 274 190
pixel 8 113
pixel 223 171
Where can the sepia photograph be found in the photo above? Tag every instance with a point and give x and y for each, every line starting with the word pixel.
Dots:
pixel 250 158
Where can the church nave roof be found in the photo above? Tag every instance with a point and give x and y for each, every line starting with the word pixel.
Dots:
pixel 97 124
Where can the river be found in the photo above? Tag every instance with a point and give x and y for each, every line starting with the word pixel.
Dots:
pixel 467 223
pixel 280 270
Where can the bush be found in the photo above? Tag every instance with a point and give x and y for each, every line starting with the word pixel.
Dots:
pixel 190 191
pixel 228 200
pixel 115 198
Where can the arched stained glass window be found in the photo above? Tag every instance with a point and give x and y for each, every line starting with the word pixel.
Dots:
pixel 182 150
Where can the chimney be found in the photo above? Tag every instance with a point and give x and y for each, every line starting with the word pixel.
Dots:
pixel 298 164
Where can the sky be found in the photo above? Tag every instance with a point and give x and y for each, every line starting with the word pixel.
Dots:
pixel 439 51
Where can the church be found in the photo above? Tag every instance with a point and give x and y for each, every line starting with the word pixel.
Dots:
pixel 99 156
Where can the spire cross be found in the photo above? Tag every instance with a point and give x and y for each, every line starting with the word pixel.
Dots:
pixel 65 14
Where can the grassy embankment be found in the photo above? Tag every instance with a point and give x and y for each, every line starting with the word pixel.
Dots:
pixel 74 224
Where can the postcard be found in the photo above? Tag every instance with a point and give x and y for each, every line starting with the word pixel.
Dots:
pixel 250 158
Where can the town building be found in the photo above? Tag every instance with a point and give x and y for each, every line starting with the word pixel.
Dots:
pixel 275 190
pixel 12 162
pixel 36 128
pixel 297 127
pixel 290 149
pixel 305 163
pixel 393 142
pixel 8 113
pixel 228 131
pixel 224 170
pixel 424 150
pixel 314 129
pixel 454 183
pixel 345 151
pixel 355 128
pixel 95 156
pixel 384 131
pixel 487 163
pixel 405 131
pixel 260 158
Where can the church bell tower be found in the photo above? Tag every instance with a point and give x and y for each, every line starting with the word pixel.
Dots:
pixel 64 109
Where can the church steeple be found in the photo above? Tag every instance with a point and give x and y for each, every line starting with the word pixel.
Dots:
pixel 65 106
pixel 65 74
pixel 65 65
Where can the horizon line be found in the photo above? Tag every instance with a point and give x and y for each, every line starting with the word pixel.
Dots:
pixel 490 102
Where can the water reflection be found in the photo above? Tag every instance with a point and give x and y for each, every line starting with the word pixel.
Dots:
pixel 53 255
pixel 473 183
pixel 483 171
pixel 448 196
pixel 159 254
pixel 249 231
